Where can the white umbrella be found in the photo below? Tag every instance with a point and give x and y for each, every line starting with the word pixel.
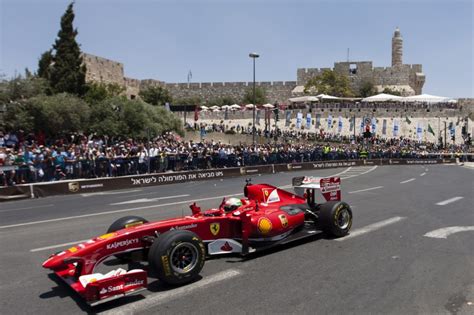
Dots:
pixel 214 107
pixel 249 106
pixel 303 99
pixel 268 105
pixel 426 98
pixel 216 110
pixel 204 107
pixel 225 106
pixel 382 98
pixel 327 97
pixel 235 106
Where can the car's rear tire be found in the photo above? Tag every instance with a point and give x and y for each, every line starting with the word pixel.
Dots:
pixel 177 257
pixel 123 223
pixel 335 218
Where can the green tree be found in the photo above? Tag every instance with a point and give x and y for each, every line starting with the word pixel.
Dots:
pixel 156 95
pixel 58 114
pixel 68 74
pixel 226 100
pixel 367 89
pixel 44 65
pixel 331 83
pixel 260 96
pixel 18 116
pixel 388 90
pixel 98 92
pixel 195 100
pixel 20 88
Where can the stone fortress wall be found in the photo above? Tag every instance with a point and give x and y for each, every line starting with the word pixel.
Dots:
pixel 408 79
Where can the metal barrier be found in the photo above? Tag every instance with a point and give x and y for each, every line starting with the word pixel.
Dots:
pixel 123 182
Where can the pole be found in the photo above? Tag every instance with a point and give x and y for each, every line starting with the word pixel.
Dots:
pixel 254 128
pixel 354 126
pixel 445 143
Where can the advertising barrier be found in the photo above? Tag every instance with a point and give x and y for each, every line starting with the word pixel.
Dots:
pixel 116 183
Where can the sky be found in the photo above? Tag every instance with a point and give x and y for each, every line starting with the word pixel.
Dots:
pixel 165 39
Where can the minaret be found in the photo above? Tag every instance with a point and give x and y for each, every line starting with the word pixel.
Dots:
pixel 397 48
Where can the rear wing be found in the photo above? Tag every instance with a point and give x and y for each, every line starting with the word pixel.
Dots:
pixel 330 187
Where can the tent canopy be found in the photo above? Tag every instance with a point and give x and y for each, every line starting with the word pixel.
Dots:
pixel 303 99
pixel 427 98
pixel 327 97
pixel 382 98
pixel 268 105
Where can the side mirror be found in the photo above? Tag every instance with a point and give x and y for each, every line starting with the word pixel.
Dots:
pixel 195 209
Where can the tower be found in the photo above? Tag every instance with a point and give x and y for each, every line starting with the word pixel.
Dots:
pixel 397 48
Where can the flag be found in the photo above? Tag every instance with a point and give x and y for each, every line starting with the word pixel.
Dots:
pixel 308 120
pixel 407 120
pixel 190 75
pixel 318 121
pixel 430 130
pixel 196 113
pixel 299 118
pixel 362 125
pixel 258 118
pixel 167 106
pixel 226 114
pixel 352 124
pixel 384 127
pixel 396 127
pixel 374 124
pixel 339 124
pixel 287 118
pixel 329 122
pixel 419 130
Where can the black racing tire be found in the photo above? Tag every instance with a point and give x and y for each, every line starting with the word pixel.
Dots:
pixel 335 218
pixel 177 257
pixel 123 223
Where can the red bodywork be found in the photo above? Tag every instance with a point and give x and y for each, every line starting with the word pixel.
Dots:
pixel 259 219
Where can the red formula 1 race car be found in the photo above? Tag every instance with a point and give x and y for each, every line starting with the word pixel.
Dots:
pixel 176 249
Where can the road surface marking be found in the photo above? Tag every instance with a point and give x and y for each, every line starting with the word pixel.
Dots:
pixel 445 202
pixel 445 232
pixel 407 181
pixel 422 174
pixel 156 299
pixel 147 200
pixel 110 193
pixel 362 190
pixel 358 174
pixel 57 246
pixel 6 210
pixel 115 211
pixel 371 227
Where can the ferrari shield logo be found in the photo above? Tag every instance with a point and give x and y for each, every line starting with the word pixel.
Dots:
pixel 215 228
pixel 73 186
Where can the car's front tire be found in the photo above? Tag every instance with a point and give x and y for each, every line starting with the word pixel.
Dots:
pixel 177 257
pixel 335 218
pixel 122 223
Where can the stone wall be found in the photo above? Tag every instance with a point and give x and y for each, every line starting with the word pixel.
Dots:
pixel 103 70
pixel 277 91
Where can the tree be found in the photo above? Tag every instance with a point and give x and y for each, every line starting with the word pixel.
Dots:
pixel 226 100
pixel 67 74
pixel 156 95
pixel 195 100
pixel 44 65
pixel 331 83
pixel 388 90
pixel 260 96
pixel 20 88
pixel 367 89
pixel 58 114
pixel 98 92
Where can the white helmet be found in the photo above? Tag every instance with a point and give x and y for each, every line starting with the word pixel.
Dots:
pixel 232 204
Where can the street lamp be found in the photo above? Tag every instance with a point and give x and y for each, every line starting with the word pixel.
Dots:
pixel 253 56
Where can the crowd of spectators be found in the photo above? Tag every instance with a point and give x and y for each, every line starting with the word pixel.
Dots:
pixel 28 158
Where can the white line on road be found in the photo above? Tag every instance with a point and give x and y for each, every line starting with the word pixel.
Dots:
pixel 422 174
pixel 110 193
pixel 357 174
pixel 147 200
pixel 445 232
pixel 166 296
pixel 445 202
pixel 115 211
pixel 407 181
pixel 371 227
pixel 56 246
pixel 48 205
pixel 362 190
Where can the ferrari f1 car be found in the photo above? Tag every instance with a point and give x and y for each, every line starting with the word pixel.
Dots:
pixel 176 249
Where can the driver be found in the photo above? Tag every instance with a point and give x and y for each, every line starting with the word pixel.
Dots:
pixel 232 204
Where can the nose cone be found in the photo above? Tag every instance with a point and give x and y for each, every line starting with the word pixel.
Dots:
pixel 52 262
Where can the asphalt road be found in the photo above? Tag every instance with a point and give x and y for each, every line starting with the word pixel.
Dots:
pixel 395 260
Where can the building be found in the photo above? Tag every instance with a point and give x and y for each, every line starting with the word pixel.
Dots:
pixel 408 79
